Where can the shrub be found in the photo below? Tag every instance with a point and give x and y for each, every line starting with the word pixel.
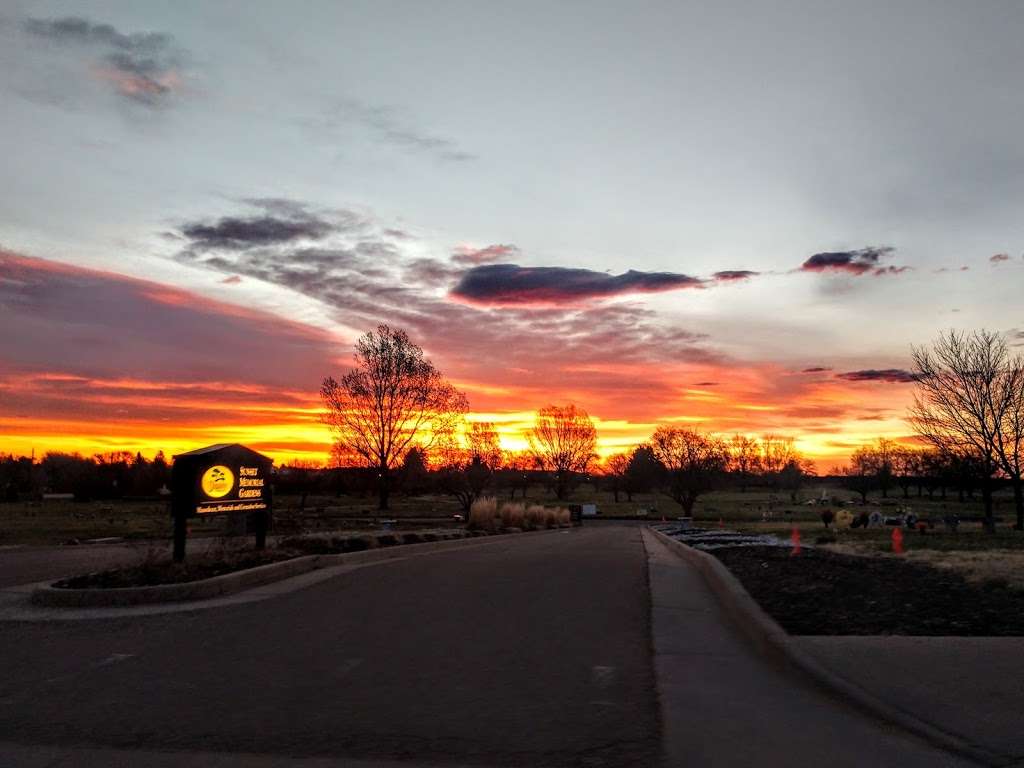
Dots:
pixel 564 518
pixel 387 540
pixel 308 544
pixel 536 516
pixel 411 538
pixel 512 515
pixel 359 543
pixel 483 514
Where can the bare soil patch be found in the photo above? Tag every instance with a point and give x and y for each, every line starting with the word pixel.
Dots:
pixel 155 570
pixel 819 592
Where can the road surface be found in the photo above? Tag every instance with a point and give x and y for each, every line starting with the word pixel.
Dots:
pixel 528 651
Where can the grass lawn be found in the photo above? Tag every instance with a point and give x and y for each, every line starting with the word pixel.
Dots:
pixel 53 522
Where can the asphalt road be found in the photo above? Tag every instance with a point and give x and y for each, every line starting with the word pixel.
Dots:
pixel 567 648
pixel 534 651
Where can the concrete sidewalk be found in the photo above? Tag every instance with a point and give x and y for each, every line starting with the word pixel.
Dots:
pixel 724 705
pixel 970 687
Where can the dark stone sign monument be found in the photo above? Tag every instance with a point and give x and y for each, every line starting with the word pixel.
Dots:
pixel 224 479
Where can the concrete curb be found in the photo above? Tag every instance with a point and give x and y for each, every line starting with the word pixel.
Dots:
pixel 230 583
pixel 775 643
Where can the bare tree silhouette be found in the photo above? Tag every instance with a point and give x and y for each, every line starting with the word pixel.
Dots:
pixel 563 441
pixel 392 400
pixel 968 388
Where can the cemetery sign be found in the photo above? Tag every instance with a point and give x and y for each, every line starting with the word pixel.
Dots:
pixel 220 480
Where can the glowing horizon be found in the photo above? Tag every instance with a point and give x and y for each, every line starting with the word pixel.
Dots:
pixel 288 442
pixel 73 411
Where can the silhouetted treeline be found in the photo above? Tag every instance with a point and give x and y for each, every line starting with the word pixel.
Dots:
pixel 886 467
pixel 512 475
pixel 104 476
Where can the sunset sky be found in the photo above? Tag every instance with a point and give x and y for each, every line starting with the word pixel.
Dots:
pixel 735 215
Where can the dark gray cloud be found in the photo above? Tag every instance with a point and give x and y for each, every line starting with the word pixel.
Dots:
pixel 143 67
pixel 860 262
pixel 999 257
pixel 234 232
pixel 893 375
pixel 815 369
pixel 729 275
pixel 74 29
pixel 281 221
pixel 511 284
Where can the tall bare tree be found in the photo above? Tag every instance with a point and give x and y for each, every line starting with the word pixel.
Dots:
pixel 885 459
pixel 614 469
pixel 744 459
pixel 794 474
pixel 907 468
pixel 484 444
pixel 393 399
pixel 963 399
pixel 563 440
pixel 695 462
pixel 861 473
pixel 515 471
pixel 466 469
pixel 1010 437
pixel 777 453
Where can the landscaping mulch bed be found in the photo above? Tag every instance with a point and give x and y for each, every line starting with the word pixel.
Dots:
pixel 196 568
pixel 168 572
pixel 825 593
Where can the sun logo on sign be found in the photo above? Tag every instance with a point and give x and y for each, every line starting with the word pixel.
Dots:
pixel 217 481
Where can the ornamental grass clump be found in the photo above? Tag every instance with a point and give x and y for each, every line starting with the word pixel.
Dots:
pixel 550 518
pixel 536 517
pixel 483 515
pixel 512 515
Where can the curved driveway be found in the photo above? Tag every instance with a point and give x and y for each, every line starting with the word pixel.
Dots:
pixel 533 650
pixel 528 651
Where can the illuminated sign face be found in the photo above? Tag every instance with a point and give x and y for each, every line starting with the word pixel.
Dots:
pixel 239 489
pixel 220 480
pixel 217 481
pixel 250 484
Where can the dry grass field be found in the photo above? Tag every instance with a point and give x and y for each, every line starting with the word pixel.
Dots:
pixel 970 550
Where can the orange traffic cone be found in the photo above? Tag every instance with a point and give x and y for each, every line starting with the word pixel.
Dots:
pixel 897 541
